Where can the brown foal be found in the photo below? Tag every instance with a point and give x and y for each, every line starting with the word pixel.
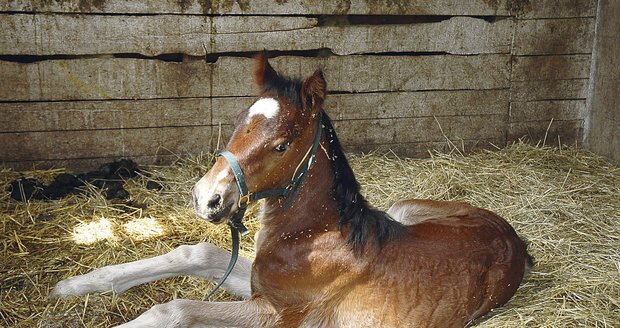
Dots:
pixel 329 259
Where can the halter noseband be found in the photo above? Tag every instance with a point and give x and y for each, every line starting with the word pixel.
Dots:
pixel 290 191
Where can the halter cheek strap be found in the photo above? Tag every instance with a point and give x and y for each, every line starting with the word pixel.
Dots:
pixel 290 191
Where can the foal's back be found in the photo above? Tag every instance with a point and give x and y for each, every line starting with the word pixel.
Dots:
pixel 454 263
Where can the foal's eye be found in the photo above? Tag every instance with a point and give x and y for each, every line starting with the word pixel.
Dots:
pixel 281 147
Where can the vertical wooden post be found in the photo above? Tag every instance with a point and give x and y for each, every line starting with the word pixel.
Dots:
pixel 602 126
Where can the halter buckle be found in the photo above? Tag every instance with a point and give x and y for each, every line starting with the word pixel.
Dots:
pixel 244 199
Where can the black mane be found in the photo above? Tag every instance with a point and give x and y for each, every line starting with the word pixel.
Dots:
pixel 284 87
pixel 355 213
pixel 363 221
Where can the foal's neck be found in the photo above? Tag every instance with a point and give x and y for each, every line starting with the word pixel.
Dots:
pixel 330 199
pixel 313 208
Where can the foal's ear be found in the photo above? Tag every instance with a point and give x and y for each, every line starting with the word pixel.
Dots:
pixel 264 74
pixel 313 91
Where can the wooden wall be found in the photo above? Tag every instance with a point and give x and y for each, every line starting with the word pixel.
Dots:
pixel 89 81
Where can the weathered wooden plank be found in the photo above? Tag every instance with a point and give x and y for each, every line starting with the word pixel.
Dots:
pixel 554 36
pixel 417 104
pixel 422 133
pixel 552 132
pixel 457 35
pixel 388 105
pixel 383 131
pixel 104 78
pixel 28 34
pixel 561 67
pixel 276 7
pixel 60 145
pixel 557 110
pixel 57 146
pixel 126 78
pixel 554 8
pixel 375 73
pixel 549 89
pixel 147 35
pixel 97 115
pixel 550 77
pixel 226 110
pixel 131 114
pixel 411 129
pixel 526 9
pixel 603 124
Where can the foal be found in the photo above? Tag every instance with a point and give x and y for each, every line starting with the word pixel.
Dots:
pixel 324 257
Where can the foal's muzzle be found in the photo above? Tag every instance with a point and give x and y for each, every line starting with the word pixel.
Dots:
pixel 214 199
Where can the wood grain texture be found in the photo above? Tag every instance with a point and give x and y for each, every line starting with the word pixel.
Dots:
pixel 62 145
pixel 388 105
pixel 104 78
pixel 557 110
pixel 480 72
pixel 417 129
pixel 457 35
pixel 395 105
pixel 554 36
pixel 602 126
pixel 550 77
pixel 549 89
pixel 97 115
pixel 419 132
pixel 269 7
pixel 524 9
pixel 127 78
pixel 553 8
pixel 552 67
pixel 538 9
pixel 31 34
pixel 376 73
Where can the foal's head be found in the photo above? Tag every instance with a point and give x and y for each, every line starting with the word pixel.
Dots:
pixel 269 140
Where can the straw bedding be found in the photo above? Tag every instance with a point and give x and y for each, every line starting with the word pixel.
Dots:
pixel 563 201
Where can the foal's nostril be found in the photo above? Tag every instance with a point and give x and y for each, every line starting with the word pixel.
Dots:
pixel 214 201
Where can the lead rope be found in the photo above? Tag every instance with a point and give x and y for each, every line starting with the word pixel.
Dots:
pixel 233 260
pixel 236 226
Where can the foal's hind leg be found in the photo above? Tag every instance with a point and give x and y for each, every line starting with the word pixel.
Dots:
pixel 190 313
pixel 204 260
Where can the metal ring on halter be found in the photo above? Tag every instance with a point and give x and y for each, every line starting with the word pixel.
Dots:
pixel 244 199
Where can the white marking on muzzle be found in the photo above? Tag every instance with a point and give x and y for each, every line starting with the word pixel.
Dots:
pixel 207 190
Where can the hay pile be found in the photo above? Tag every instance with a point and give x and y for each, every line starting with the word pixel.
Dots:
pixel 564 201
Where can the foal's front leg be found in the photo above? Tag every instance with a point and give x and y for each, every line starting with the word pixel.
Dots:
pixel 190 313
pixel 204 260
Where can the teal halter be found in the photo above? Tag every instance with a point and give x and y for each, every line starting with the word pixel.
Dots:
pixel 290 191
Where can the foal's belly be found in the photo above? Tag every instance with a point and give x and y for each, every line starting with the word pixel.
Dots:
pixel 396 306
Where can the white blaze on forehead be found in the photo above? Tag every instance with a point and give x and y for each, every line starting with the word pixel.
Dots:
pixel 268 107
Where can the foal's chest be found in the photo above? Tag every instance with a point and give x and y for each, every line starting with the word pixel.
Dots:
pixel 302 263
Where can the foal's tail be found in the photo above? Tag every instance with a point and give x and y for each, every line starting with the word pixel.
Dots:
pixel 529 259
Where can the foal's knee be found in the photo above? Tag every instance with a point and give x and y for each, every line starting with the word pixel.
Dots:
pixel 202 254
